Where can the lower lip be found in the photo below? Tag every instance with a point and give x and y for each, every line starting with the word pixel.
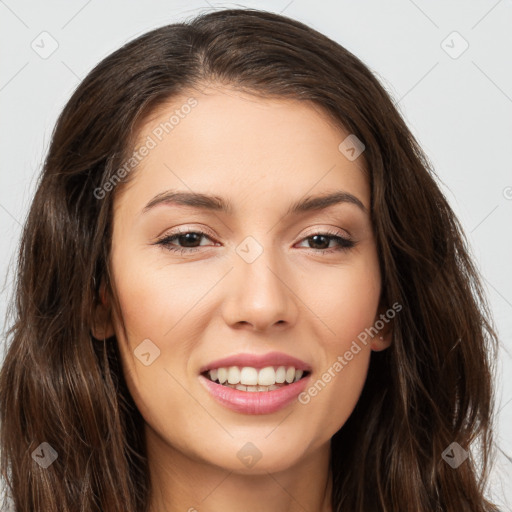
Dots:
pixel 255 402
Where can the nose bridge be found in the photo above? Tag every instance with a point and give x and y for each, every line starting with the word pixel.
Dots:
pixel 258 291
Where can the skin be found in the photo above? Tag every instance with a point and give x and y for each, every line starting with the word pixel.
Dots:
pixel 261 155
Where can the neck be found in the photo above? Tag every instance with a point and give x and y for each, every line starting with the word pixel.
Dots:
pixel 185 483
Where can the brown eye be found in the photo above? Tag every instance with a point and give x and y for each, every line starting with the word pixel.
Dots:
pixel 189 241
pixel 319 242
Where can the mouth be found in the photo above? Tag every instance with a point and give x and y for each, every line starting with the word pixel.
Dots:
pixel 250 390
pixel 250 379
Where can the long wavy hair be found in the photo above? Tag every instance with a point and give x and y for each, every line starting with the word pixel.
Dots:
pixel 59 385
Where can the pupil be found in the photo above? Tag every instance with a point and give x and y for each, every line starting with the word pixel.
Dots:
pixel 315 240
pixel 189 238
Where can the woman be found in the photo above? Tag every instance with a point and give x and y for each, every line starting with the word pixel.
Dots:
pixel 328 348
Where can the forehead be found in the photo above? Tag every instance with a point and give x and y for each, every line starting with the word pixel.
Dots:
pixel 246 148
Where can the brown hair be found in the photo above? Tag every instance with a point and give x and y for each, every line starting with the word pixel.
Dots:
pixel 61 386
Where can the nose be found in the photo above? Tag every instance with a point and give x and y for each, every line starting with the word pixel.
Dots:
pixel 260 294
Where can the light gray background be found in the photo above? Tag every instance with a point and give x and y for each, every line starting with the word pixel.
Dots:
pixel 458 106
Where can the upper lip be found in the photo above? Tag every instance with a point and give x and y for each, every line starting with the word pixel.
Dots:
pixel 258 361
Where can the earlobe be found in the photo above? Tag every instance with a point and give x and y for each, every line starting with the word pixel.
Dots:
pixel 382 340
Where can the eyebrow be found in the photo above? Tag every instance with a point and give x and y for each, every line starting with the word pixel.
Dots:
pixel 216 203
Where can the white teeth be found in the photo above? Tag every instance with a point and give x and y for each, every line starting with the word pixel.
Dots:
pixel 252 379
pixel 267 376
pixel 249 376
pixel 233 375
pixel 280 374
pixel 222 375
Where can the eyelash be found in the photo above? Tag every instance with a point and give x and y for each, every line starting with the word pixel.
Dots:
pixel 345 244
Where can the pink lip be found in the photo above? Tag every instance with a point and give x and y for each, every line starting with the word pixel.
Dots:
pixel 258 361
pixel 257 402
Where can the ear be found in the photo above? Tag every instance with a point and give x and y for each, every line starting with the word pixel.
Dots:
pixel 102 327
pixel 384 323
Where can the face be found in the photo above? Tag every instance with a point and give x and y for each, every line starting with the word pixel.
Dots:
pixel 254 279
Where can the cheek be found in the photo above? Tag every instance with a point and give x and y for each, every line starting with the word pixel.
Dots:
pixel 349 303
pixel 153 300
pixel 346 299
pixel 150 308
pixel 335 389
pixel 332 395
pixel 158 303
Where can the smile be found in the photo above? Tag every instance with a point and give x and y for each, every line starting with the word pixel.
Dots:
pixel 256 398
pixel 252 379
